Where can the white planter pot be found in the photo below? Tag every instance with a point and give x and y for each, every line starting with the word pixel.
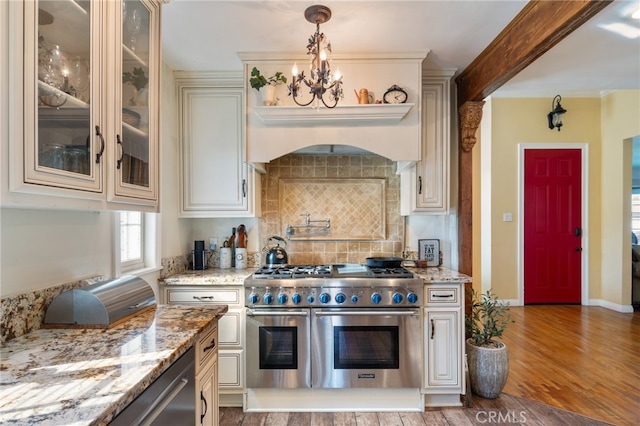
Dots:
pixel 488 369
pixel 268 94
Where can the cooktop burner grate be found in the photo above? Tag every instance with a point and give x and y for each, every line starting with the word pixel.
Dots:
pixel 297 271
pixel 330 271
pixel 391 272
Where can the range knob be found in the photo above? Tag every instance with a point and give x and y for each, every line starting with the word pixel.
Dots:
pixel 268 298
pixel 412 297
pixel 310 299
pixel 325 298
pixel 354 299
pixel 376 298
pixel 282 298
pixel 340 298
pixel 296 298
pixel 397 298
pixel 253 298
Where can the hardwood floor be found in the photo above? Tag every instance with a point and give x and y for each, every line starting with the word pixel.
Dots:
pixel 584 359
pixel 569 365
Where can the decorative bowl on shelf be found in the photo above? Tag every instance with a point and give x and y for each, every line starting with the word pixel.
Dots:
pixel 132 118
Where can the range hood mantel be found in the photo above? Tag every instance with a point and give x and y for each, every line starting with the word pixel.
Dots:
pixel 392 131
pixel 348 114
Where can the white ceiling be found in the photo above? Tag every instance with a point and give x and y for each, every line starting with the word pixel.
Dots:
pixel 206 34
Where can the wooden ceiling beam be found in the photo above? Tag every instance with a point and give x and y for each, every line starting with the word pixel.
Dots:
pixel 538 27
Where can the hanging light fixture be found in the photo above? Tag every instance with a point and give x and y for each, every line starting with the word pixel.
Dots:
pixel 320 80
pixel 557 113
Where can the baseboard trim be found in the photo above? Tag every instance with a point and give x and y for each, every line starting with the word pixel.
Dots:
pixel 322 400
pixel 625 309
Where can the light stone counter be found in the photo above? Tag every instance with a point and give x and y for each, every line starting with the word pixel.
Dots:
pixel 211 276
pixel 87 376
pixel 216 276
pixel 440 275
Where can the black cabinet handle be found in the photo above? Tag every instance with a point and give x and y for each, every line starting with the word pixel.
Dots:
pixel 419 184
pixel 244 188
pixel 99 154
pixel 433 328
pixel 119 142
pixel 201 298
pixel 211 346
pixel 206 407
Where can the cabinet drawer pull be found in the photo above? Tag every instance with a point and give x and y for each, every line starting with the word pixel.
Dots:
pixel 419 184
pixel 99 154
pixel 433 329
pixel 443 296
pixel 211 346
pixel 202 298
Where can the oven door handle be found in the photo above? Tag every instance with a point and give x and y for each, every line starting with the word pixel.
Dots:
pixel 253 313
pixel 321 313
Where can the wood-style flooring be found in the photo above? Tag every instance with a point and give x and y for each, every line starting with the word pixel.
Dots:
pixel 569 365
pixel 585 359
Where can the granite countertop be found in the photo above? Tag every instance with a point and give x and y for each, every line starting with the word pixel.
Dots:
pixel 216 276
pixel 87 376
pixel 211 276
pixel 440 275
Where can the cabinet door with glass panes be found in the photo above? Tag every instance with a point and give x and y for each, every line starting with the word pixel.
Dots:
pixel 91 78
pixel 137 134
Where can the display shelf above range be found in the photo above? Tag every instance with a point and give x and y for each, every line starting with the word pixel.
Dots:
pixel 347 114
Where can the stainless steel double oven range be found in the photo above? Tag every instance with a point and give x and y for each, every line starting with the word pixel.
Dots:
pixel 333 326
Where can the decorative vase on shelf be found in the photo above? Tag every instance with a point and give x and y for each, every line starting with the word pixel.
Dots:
pixel 268 93
pixel 139 97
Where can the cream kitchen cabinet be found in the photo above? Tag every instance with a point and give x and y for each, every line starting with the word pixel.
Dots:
pixel 443 344
pixel 215 179
pixel 425 185
pixel 231 332
pixel 207 378
pixel 84 108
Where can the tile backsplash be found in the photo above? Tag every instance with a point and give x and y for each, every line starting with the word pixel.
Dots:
pixel 360 194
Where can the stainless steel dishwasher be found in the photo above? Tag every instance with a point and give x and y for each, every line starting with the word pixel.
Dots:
pixel 169 401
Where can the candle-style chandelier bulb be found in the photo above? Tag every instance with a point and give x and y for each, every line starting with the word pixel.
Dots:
pixel 321 80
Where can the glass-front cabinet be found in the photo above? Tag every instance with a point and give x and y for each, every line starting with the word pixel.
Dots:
pixel 90 84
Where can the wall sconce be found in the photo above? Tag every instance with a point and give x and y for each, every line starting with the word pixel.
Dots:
pixel 557 113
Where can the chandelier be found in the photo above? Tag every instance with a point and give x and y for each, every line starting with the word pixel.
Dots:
pixel 321 80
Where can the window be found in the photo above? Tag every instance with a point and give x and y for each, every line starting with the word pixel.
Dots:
pixel 136 245
pixel 132 241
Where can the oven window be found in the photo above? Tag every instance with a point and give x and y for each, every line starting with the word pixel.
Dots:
pixel 278 348
pixel 368 347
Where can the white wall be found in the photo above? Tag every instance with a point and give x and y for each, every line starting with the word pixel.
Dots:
pixel 41 248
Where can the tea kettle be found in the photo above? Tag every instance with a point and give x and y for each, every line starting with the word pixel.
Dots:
pixel 276 255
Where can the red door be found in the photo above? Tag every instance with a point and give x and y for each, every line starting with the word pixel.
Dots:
pixel 552 226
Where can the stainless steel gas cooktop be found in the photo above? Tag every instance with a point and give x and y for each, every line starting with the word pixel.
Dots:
pixel 340 285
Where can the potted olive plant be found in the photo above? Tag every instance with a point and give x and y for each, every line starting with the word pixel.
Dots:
pixel 266 86
pixel 487 358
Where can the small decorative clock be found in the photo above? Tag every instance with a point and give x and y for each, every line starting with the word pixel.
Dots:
pixel 394 95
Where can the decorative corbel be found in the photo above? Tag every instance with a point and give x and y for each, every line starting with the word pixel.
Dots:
pixel 470 116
